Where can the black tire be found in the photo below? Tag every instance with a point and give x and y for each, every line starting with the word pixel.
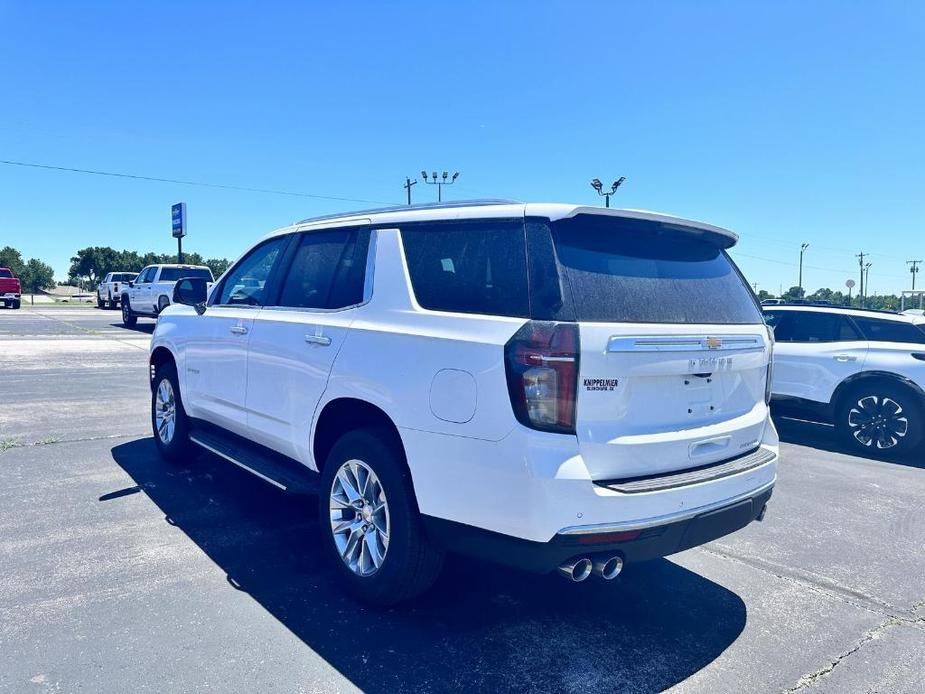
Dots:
pixel 129 319
pixel 897 413
pixel 411 563
pixel 16 303
pixel 178 448
pixel 111 303
pixel 99 302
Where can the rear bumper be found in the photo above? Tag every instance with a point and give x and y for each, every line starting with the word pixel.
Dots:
pixel 647 540
pixel 10 296
pixel 535 486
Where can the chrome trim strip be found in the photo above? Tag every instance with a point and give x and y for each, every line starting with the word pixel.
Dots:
pixel 239 464
pixel 685 343
pixel 686 514
pixel 702 473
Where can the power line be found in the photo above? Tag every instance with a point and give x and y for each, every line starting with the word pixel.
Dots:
pixel 200 184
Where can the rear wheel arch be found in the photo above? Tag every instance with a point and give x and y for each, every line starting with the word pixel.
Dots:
pixel 343 415
pixel 872 379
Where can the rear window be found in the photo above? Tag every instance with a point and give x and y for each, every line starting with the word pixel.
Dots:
pixel 471 267
pixel 879 330
pixel 172 274
pixel 5 273
pixel 638 271
pixel 123 277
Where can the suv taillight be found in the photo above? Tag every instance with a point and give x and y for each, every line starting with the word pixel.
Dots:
pixel 770 372
pixel 541 363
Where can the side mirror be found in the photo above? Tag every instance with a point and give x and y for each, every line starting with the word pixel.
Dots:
pixel 131 283
pixel 191 291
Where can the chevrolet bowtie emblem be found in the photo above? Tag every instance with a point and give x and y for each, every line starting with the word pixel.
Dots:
pixel 713 343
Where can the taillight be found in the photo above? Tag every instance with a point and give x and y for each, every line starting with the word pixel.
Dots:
pixel 541 363
pixel 770 372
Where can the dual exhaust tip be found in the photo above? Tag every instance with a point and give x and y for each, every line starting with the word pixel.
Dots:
pixel 577 570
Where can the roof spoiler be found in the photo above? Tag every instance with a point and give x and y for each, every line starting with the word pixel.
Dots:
pixel 715 235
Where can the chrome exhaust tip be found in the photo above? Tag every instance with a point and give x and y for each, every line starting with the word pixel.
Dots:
pixel 576 570
pixel 608 568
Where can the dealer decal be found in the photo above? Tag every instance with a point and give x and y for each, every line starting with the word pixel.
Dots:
pixel 601 383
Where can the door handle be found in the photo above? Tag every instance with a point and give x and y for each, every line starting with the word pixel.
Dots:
pixel 844 357
pixel 322 340
pixel 239 330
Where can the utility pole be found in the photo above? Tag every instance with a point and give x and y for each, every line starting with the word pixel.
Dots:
pixel 866 280
pixel 599 187
pixel 407 186
pixel 860 257
pixel 914 270
pixel 440 183
pixel 803 247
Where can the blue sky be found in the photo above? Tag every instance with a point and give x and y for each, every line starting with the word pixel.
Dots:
pixel 785 121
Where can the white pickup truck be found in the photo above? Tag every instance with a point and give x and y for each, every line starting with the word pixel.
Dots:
pixel 109 291
pixel 151 292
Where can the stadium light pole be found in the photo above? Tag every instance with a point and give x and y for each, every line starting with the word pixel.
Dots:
pixel 440 182
pixel 599 187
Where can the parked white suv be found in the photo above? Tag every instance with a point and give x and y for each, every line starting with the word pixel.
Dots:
pixel 150 292
pixel 109 291
pixel 549 386
pixel 863 371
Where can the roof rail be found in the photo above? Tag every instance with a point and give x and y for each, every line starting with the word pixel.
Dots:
pixel 425 206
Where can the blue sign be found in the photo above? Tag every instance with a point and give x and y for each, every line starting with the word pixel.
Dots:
pixel 178 220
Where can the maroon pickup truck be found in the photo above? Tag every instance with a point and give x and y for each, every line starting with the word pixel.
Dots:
pixel 10 289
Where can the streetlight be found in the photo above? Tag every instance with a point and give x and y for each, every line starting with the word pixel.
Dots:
pixel 440 183
pixel 803 247
pixel 599 187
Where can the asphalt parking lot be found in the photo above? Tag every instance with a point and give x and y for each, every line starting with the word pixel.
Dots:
pixel 121 573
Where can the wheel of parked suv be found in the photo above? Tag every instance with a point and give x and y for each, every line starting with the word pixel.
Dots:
pixel 168 418
pixel 111 303
pixel 370 522
pixel 880 418
pixel 99 302
pixel 129 319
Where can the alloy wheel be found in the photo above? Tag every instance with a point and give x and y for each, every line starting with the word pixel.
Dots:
pixel 878 421
pixel 165 411
pixel 359 514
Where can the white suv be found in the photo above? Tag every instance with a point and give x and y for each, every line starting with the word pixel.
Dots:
pixel 549 386
pixel 863 371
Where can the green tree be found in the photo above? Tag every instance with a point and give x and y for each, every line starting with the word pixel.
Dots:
pixel 218 266
pixel 11 258
pixel 764 294
pixel 793 293
pixel 93 262
pixel 36 276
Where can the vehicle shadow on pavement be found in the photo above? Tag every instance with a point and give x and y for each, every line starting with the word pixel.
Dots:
pixel 145 327
pixel 481 628
pixel 823 437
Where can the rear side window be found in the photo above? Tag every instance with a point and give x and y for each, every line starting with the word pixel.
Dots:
pixel 328 270
pixel 469 267
pixel 811 326
pixel 639 271
pixel 878 330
